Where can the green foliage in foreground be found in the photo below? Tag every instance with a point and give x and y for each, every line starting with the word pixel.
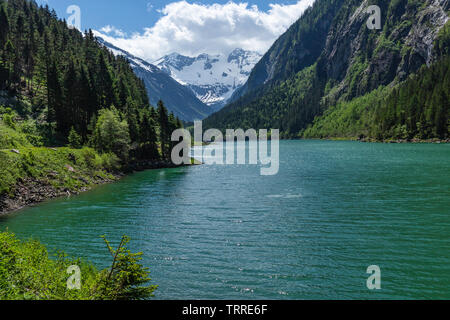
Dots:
pixel 28 273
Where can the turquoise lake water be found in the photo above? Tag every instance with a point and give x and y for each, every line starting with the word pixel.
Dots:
pixel 310 232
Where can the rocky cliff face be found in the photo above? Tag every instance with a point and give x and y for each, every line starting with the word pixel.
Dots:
pixel 379 57
pixel 299 47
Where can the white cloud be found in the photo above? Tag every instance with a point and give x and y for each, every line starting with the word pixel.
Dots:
pixel 191 29
pixel 111 29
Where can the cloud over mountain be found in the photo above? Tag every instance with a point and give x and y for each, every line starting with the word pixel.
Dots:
pixel 192 28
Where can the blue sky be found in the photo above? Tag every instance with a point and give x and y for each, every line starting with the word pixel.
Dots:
pixel 129 16
pixel 153 28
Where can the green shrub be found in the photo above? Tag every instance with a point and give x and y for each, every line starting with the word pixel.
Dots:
pixel 111 134
pixel 11 139
pixel 74 139
pixel 110 161
pixel 30 129
pixel 8 119
pixel 28 272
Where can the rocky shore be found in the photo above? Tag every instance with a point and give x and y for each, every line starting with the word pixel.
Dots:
pixel 149 165
pixel 437 141
pixel 30 191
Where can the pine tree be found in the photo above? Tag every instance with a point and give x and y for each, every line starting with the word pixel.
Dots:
pixel 441 116
pixel 164 128
pixel 4 26
pixel 74 139
pixel 9 54
pixel 54 94
pixel 66 115
pixel 149 137
pixel 105 83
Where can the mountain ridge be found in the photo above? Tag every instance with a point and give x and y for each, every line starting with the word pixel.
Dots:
pixel 160 86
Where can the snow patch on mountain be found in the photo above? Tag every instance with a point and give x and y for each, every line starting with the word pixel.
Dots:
pixel 213 78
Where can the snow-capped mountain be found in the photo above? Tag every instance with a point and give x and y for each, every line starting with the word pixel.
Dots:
pixel 160 86
pixel 213 78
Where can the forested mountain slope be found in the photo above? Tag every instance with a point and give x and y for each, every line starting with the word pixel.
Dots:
pixel 354 61
pixel 62 79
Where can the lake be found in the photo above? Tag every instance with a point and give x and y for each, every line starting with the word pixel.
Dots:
pixel 310 232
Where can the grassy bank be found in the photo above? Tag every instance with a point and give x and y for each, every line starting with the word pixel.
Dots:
pixel 32 174
pixel 29 272
pixel 63 168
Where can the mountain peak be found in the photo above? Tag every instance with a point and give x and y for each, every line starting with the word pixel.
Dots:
pixel 173 55
pixel 241 56
pixel 212 77
pixel 238 51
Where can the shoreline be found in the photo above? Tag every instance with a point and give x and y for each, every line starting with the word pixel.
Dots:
pixel 31 192
pixel 369 140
